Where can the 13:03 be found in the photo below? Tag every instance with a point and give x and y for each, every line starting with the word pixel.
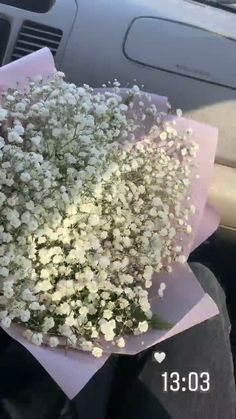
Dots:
pixel 193 381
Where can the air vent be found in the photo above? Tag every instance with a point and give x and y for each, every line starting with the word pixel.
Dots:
pixel 34 36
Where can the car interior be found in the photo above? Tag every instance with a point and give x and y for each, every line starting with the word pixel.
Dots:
pixel 182 49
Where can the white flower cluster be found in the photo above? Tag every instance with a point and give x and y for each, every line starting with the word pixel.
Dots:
pixel 87 212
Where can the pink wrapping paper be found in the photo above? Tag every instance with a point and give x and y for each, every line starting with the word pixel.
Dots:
pixel 185 303
pixel 40 63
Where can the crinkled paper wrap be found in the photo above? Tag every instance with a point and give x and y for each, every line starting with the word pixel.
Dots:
pixel 185 303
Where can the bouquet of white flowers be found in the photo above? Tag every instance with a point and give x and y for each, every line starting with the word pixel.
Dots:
pixel 94 199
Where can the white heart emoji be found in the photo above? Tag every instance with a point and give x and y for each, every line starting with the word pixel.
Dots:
pixel 159 356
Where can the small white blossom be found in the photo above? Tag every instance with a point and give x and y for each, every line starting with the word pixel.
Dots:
pixel 25 316
pixel 97 352
pixel 37 339
pixel 163 135
pixel 28 334
pixel 107 314
pixel 3 114
pixel 2 144
pixel 25 177
pixel 148 271
pixel 6 322
pixel 53 342
pixel 181 259
pixel 93 220
pixel 179 113
pixel 189 229
pixel 35 306
pixel 4 272
pixel 3 314
pixel 120 343
pixel 83 311
pixel 161 293
pixel 143 326
pixel 48 324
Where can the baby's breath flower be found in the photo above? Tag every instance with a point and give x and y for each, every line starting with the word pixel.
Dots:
pixel 161 293
pixel 181 259
pixel 3 114
pixel 83 311
pixel 163 136
pixel 107 314
pixel 28 334
pixel 143 326
pixel 179 112
pixel 4 272
pixel 97 352
pixel 6 322
pixel 189 229
pixel 120 342
pixel 85 225
pixel 53 342
pixel 25 316
pixel 48 324
pixel 37 339
pixel 25 177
